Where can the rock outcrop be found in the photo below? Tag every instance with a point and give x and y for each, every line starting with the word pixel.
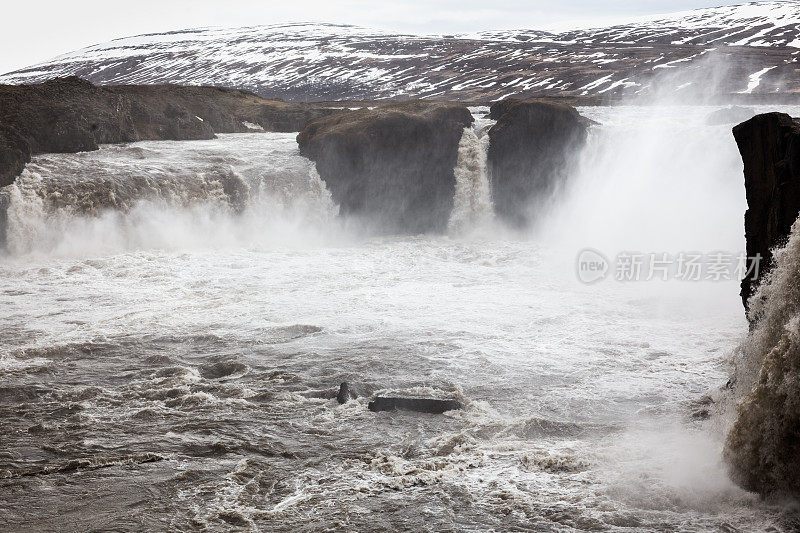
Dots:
pixel 344 394
pixel 763 445
pixel 392 165
pixel 72 115
pixel 770 149
pixel 530 150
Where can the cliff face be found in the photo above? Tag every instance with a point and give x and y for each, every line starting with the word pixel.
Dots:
pixel 392 164
pixel 530 149
pixel 15 153
pixel 770 149
pixel 72 115
pixel 763 445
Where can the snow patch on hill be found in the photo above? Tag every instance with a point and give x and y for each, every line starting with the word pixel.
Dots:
pixel 332 61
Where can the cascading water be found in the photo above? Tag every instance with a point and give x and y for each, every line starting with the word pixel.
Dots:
pixel 472 202
pixel 232 191
pixel 214 382
pixel 761 446
pixel 659 179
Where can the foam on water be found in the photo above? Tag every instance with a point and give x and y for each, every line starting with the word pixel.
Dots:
pixel 142 330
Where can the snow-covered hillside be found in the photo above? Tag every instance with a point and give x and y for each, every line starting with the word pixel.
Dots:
pixel 750 48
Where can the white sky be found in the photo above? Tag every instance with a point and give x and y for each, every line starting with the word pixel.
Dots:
pixel 36 31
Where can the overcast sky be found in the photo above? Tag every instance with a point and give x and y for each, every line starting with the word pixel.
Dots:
pixel 36 31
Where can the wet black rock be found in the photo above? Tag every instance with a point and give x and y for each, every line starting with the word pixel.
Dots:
pixel 344 393
pixel 223 369
pixel 530 149
pixel 770 148
pixel 392 165
pixel 421 405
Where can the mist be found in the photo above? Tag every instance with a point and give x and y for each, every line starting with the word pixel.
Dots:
pixel 183 313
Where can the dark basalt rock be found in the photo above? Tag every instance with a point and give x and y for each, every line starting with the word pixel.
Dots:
pixel 344 393
pixel 421 405
pixel 770 149
pixel 226 110
pixel 72 115
pixel 15 153
pixel 393 164
pixel 530 149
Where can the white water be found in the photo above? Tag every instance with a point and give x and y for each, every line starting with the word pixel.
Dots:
pixel 170 195
pixel 472 203
pixel 578 396
pixel 767 380
pixel 657 179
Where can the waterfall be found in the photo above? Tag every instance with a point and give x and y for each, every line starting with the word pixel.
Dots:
pixel 472 202
pixel 762 443
pixel 231 191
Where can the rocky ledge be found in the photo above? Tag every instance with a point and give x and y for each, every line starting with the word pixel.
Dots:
pixel 770 149
pixel 72 115
pixel 530 150
pixel 391 165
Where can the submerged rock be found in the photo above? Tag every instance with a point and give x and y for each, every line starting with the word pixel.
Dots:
pixel 392 165
pixel 421 405
pixel 700 409
pixel 770 148
pixel 344 393
pixel 530 150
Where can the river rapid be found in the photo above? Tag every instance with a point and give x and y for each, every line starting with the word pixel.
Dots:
pixel 177 318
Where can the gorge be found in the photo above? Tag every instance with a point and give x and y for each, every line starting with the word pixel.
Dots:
pixel 318 277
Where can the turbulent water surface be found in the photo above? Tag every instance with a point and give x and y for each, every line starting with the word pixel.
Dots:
pixel 177 318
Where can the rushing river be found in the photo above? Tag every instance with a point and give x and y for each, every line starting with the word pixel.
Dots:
pixel 177 318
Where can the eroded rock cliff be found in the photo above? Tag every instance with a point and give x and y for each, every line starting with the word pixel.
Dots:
pixel 531 148
pixel 770 149
pixel 72 115
pixel 392 165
